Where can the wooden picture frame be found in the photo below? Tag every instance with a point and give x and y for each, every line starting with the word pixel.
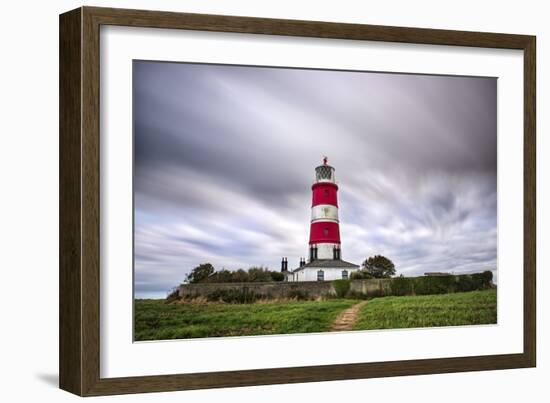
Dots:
pixel 79 346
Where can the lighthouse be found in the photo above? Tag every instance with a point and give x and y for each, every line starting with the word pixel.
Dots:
pixel 324 232
pixel 325 247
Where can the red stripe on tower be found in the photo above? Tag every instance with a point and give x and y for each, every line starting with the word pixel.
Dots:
pixel 324 193
pixel 324 232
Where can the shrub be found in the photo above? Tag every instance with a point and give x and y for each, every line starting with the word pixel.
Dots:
pixel 465 283
pixel 488 276
pixel 341 287
pixel 300 295
pixel 239 276
pixel 277 276
pixel 361 275
pixel 254 274
pixel 483 280
pixel 401 286
pixel 172 296
pixel 434 285
pixel 233 296
pixel 222 276
pixel 259 274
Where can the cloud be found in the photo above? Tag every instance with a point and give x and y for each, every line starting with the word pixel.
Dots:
pixel 224 159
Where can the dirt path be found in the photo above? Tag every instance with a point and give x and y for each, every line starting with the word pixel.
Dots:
pixel 347 318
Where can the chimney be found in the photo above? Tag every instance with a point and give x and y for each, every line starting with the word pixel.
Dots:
pixel 336 253
pixel 283 265
pixel 302 262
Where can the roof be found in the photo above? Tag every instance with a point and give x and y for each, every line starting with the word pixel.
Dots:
pixel 327 263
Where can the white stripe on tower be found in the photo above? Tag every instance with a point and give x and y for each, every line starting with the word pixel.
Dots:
pixel 324 212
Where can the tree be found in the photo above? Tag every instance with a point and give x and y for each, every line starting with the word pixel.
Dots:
pixel 257 274
pixel 379 266
pixel 277 276
pixel 200 273
pixel 222 276
pixel 205 273
pixel 239 276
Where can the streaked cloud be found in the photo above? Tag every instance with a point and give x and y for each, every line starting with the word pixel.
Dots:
pixel 224 160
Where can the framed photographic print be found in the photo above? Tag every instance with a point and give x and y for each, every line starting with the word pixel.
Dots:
pixel 249 201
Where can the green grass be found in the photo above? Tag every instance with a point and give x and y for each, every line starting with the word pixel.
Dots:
pixel 155 320
pixel 467 308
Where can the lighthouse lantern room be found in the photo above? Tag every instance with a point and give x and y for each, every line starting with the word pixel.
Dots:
pixel 325 253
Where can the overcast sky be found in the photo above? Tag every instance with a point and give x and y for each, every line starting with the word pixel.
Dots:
pixel 225 159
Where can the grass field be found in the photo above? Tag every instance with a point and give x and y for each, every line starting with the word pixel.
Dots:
pixel 155 320
pixel 466 308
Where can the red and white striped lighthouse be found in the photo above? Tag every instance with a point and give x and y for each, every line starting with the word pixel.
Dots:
pixel 325 257
pixel 324 234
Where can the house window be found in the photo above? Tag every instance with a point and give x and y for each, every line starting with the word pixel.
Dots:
pixel 320 275
pixel 344 274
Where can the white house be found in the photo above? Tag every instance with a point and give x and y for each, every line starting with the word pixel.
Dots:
pixel 323 270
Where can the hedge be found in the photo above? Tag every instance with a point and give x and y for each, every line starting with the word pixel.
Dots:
pixel 341 287
pixel 233 296
pixel 401 286
pixel 427 285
